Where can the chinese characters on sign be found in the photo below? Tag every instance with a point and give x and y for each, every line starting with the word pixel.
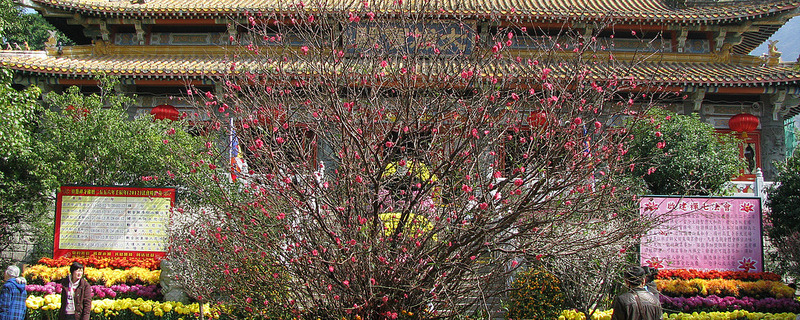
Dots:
pixel 704 234
pixel 112 221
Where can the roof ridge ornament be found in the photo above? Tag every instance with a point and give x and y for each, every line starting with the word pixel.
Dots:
pixel 773 56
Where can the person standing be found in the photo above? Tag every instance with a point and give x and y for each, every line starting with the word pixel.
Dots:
pixel 638 303
pixel 650 281
pixel 13 296
pixel 76 295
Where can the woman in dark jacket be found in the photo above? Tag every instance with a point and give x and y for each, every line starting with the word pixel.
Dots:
pixel 76 295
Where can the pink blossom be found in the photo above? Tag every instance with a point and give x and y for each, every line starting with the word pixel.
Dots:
pixel 304 49
pixel 545 72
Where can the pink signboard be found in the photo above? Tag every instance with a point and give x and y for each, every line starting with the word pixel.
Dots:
pixel 703 233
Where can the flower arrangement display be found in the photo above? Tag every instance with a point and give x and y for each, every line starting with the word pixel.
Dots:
pixel 535 294
pixel 723 295
pixel 416 168
pixel 100 291
pixel 714 274
pixel 732 315
pixel 715 303
pixel 418 225
pixel 575 315
pixel 122 288
pixel 102 263
pixel 722 287
pixel 108 276
pixel 120 308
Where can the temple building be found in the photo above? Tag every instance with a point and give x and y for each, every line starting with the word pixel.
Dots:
pixel 702 48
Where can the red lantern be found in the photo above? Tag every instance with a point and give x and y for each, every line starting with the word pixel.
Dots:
pixel 165 111
pixel 744 123
pixel 77 113
pixel 537 119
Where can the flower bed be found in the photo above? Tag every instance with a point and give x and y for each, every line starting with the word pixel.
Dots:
pixel 100 291
pixel 733 315
pixel 123 289
pixel 46 307
pixel 723 287
pixel 101 263
pixel 715 303
pixel 133 275
pixel 723 295
pixel 713 274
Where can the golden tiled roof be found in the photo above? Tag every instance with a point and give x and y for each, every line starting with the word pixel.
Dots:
pixel 180 67
pixel 626 10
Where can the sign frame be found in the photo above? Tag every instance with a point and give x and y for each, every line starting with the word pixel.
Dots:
pixel 704 206
pixel 110 193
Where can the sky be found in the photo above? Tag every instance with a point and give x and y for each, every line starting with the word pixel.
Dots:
pixel 788 38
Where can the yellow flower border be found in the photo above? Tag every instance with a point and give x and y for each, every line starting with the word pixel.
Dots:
pixel 417 168
pixel 106 276
pixel 723 287
pixel 731 315
pixel 418 225
pixel 112 307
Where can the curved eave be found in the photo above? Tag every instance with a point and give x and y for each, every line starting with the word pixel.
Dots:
pixel 192 67
pixel 646 12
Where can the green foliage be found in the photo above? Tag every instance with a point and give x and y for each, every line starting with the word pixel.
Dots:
pixel 80 139
pixel 92 140
pixel 681 155
pixel 535 294
pixel 783 229
pixel 18 109
pixel 19 27
pixel 32 28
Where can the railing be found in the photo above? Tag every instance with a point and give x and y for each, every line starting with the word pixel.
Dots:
pixel 756 188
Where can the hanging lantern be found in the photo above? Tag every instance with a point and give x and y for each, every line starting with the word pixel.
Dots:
pixel 744 123
pixel 537 119
pixel 165 111
pixel 77 113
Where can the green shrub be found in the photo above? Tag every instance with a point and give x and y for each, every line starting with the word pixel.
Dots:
pixel 535 294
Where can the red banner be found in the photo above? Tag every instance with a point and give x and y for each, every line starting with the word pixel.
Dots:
pixel 112 221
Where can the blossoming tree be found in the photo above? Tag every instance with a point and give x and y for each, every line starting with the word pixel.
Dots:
pixel 403 162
